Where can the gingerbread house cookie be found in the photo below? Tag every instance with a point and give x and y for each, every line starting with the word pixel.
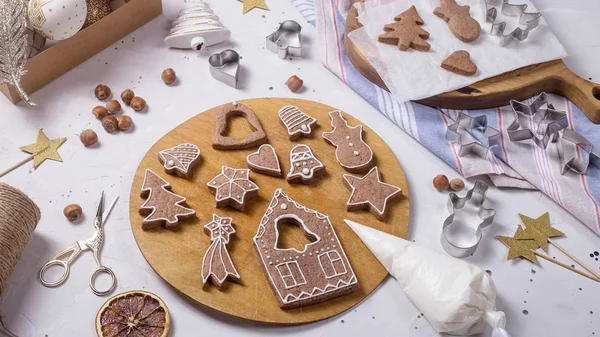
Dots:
pixel 319 272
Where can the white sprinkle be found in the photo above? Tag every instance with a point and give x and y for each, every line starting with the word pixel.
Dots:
pixel 297 164
pixel 305 171
pixel 356 153
pixel 351 144
pixel 283 206
pixel 170 163
pixel 303 127
pixel 347 137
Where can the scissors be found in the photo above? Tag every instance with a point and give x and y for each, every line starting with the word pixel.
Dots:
pixel 93 244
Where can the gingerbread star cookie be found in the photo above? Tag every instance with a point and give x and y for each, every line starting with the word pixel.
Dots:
pixel 179 160
pixel 233 187
pixel 370 192
pixel 304 166
pixel 264 161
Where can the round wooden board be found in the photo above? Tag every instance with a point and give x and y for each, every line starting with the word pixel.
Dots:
pixel 176 255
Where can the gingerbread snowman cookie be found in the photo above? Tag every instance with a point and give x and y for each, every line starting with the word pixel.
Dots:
pixel 351 151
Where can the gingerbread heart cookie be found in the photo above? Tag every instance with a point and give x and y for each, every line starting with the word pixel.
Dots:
pixel 222 142
pixel 460 63
pixel 461 24
pixel 264 161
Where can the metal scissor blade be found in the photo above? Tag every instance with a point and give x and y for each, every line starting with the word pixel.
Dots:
pixel 100 210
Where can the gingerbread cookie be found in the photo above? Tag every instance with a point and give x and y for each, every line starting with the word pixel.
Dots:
pixel 319 272
pixel 304 166
pixel 180 159
pixel 461 24
pixel 233 187
pixel 351 151
pixel 405 32
pixel 460 63
pixel 264 161
pixel 297 123
pixel 222 142
pixel 370 192
pixel 163 207
pixel 216 265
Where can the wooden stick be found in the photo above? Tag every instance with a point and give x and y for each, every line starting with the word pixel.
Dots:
pixel 14 167
pixel 591 270
pixel 564 265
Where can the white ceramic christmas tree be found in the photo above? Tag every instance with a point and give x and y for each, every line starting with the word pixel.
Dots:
pixel 196 27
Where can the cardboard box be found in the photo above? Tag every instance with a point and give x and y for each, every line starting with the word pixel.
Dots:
pixel 65 55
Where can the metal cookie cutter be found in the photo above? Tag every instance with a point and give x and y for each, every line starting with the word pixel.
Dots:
pixel 529 19
pixel 476 196
pixel 533 121
pixel 576 152
pixel 225 67
pixel 473 135
pixel 290 32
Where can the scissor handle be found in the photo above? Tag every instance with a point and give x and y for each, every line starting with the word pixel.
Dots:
pixel 62 279
pixel 102 269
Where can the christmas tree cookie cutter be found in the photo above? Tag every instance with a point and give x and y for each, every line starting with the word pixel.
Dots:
pixel 473 135
pixel 477 196
pixel 220 64
pixel 528 19
pixel 286 40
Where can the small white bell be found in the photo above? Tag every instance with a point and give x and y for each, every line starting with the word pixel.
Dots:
pixel 196 27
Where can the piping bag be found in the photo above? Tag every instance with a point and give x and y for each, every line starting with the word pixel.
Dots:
pixel 456 297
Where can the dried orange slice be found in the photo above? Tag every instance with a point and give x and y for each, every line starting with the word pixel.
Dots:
pixel 134 313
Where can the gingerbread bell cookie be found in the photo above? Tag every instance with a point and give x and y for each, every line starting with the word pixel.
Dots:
pixel 233 188
pixel 459 62
pixel 223 142
pixel 405 32
pixel 319 272
pixel 304 166
pixel 297 123
pixel 217 266
pixel 180 159
pixel 264 161
pixel 460 22
pixel 162 207
pixel 369 192
pixel 351 150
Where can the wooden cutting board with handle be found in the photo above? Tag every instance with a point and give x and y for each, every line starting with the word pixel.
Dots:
pixel 519 84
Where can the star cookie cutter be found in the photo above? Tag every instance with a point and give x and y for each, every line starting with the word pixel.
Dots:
pixel 289 32
pixel 220 64
pixel 475 195
pixel 576 152
pixel 536 122
pixel 473 135
pixel 528 19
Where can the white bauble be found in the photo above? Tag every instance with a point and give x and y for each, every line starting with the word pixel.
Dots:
pixel 57 19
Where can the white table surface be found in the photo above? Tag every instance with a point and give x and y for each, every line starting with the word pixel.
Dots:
pixel 558 302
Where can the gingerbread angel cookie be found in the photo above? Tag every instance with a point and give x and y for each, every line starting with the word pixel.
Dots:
pixel 370 192
pixel 217 265
pixel 264 161
pixel 319 272
pixel 297 123
pixel 180 159
pixel 351 150
pixel 461 24
pixel 163 207
pixel 405 32
pixel 223 142
pixel 233 187
pixel 304 166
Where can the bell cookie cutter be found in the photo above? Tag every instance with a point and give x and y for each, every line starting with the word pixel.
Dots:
pixel 473 135
pixel 290 30
pixel 219 64
pixel 477 196
pixel 529 19
pixel 533 121
pixel 576 152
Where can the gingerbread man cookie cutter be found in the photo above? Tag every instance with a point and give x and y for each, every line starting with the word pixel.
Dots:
pixel 528 19
pixel 290 31
pixel 477 196
pixel 219 64
pixel 472 134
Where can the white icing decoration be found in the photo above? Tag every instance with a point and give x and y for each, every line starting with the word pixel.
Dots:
pixel 304 127
pixel 348 137
pixel 356 153
pixel 284 206
pixel 305 171
pixel 351 144
pixel 170 163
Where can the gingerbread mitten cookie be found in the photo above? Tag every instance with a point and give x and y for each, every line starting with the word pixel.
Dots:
pixel 370 192
pixel 405 32
pixel 461 24
pixel 180 159
pixel 216 265
pixel 297 123
pixel 304 166
pixel 233 187
pixel 460 63
pixel 351 151
pixel 264 161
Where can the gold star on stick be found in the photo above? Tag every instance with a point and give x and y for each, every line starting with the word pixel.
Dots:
pixel 251 4
pixel 538 230
pixel 519 248
pixel 44 148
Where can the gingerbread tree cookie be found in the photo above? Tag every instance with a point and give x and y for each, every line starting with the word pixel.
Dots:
pixel 370 192
pixel 180 159
pixel 216 265
pixel 351 151
pixel 319 272
pixel 163 207
pixel 233 187
pixel 405 32
pixel 461 24
pixel 297 123
pixel 304 166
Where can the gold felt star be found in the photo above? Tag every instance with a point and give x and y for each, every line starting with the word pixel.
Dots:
pixel 251 4
pixel 519 248
pixel 538 230
pixel 44 148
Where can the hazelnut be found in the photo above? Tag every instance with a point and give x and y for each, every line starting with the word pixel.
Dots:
pixel 124 122
pixel 113 106
pixel 73 212
pixel 138 103
pixel 440 182
pixel 88 137
pixel 110 124
pixel 168 76
pixel 127 95
pixel 457 185
pixel 100 112
pixel 294 83
pixel 102 92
